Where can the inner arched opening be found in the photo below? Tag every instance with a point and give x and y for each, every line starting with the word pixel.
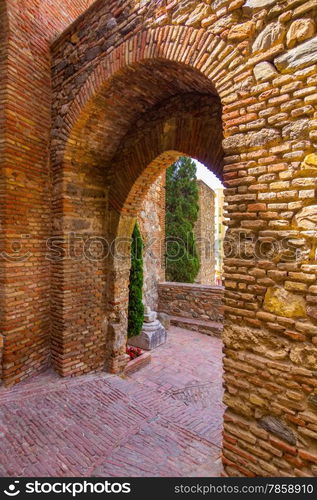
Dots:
pixel 190 313
pixel 182 225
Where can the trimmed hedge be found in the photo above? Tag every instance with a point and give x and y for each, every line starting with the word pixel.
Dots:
pixel 136 307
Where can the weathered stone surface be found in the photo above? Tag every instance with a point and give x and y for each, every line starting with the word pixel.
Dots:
pixel 305 357
pixel 312 399
pixel 240 142
pixel 279 428
pixel 222 24
pixel 149 339
pixel 312 312
pixel 284 303
pixel 310 162
pixel 263 137
pixel 299 31
pixel 151 221
pixel 217 4
pixel 264 71
pixel 106 27
pixel 114 331
pixel 296 130
pixel 302 55
pixel 307 218
pixel 272 34
pixel 259 341
pixel 130 27
pixel 69 70
pixel 149 316
pixel 201 12
pixel 92 53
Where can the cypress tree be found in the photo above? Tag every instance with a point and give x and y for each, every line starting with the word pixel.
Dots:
pixel 136 307
pixel 182 261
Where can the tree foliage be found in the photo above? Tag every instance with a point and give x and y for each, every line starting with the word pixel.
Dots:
pixel 136 307
pixel 182 261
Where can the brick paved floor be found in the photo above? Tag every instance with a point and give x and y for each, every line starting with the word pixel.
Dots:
pixel 164 420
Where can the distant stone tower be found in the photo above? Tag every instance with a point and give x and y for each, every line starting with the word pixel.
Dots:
pixel 205 234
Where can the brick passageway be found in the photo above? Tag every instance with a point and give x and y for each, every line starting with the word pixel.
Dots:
pixel 164 420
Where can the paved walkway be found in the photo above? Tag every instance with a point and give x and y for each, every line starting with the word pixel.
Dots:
pixel 164 420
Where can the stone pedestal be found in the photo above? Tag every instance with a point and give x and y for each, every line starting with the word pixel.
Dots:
pixel 153 333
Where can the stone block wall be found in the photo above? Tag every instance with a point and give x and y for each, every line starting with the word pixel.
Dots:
pixel 205 234
pixel 191 300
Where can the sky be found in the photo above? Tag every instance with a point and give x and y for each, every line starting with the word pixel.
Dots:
pixel 207 176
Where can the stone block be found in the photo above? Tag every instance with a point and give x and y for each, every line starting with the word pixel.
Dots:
pixel 302 55
pixel 296 130
pixel 239 142
pixel 241 31
pixel 307 218
pixel 300 30
pixel 277 427
pixel 284 303
pixel 273 33
pixel 264 71
pixel 259 4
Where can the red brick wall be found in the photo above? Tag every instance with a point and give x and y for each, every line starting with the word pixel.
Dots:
pixel 26 219
pixel 3 81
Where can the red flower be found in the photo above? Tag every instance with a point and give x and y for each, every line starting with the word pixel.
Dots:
pixel 134 352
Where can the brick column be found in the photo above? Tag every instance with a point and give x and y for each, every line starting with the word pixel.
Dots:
pixel 119 232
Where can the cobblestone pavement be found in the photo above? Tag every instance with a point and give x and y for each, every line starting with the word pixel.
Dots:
pixel 164 420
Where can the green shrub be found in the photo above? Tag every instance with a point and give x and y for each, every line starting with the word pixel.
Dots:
pixel 136 307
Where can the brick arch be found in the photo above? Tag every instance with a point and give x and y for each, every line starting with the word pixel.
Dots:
pixel 90 136
pixel 187 125
pixel 94 163
pixel 184 125
pixel 187 48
